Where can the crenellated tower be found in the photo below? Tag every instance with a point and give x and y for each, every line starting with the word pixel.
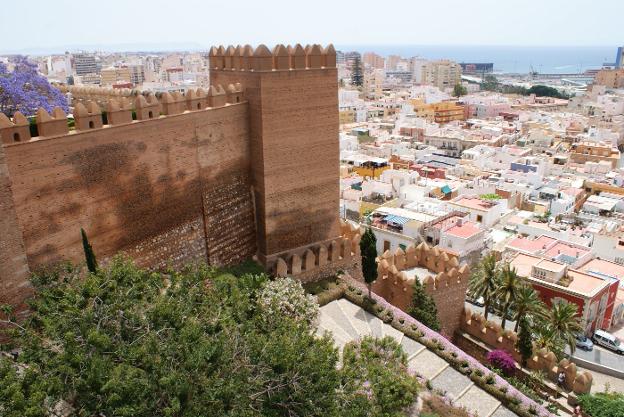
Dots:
pixel 293 119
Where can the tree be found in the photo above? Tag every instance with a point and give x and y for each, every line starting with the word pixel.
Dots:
pixel 423 307
pixel 368 251
pixel 357 78
pixel 545 91
pixel 563 322
pixel 484 281
pixel 525 340
pixel 375 379
pixel 489 83
pixel 285 297
pixel 527 303
pixel 459 90
pixel 508 290
pixel 88 252
pixel 129 342
pixel 24 90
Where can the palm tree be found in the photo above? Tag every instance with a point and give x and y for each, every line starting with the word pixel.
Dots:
pixel 527 303
pixel 484 281
pixel 508 290
pixel 564 323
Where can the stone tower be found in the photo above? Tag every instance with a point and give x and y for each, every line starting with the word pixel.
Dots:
pixel 293 102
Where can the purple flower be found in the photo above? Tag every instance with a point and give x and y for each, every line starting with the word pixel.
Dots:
pixel 502 360
pixel 25 90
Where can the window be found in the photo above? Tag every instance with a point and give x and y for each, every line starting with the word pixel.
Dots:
pixel 386 245
pixel 150 115
pixel 16 137
pixel 91 125
pixel 479 218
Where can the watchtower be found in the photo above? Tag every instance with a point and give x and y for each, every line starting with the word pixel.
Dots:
pixel 293 101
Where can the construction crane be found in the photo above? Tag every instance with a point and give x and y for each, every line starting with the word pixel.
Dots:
pixel 533 73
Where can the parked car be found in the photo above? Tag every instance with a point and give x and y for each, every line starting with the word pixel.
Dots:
pixel 479 302
pixel 583 342
pixel 609 341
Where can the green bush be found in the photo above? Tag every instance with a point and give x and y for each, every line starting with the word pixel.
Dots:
pixel 603 404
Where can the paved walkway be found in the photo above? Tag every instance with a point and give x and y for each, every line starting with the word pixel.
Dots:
pixel 348 322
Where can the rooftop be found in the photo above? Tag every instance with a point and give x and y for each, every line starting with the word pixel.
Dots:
pixel 465 230
pixel 531 245
pixel 602 267
pixel 474 203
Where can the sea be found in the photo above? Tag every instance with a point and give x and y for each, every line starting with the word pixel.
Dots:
pixel 506 59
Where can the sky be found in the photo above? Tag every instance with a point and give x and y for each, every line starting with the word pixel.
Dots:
pixel 42 24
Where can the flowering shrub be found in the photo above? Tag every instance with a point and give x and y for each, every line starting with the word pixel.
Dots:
pixel 500 389
pixel 286 297
pixel 502 360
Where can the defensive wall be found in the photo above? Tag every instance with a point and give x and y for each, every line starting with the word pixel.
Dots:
pixel 447 282
pixel 495 337
pixel 248 167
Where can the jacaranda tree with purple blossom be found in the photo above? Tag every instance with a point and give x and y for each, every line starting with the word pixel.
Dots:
pixel 25 90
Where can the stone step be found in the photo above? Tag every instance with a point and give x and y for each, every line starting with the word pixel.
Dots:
pixel 502 411
pixel 374 323
pixel 339 317
pixel 356 316
pixel 427 364
pixel 387 330
pixel 327 322
pixel 411 347
pixel 478 402
pixel 451 382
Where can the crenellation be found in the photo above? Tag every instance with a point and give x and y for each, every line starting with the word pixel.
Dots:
pixel 119 112
pixel 87 117
pixel 280 58
pixel 496 338
pixel 52 125
pixel 17 130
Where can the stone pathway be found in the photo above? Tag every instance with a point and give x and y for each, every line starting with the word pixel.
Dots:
pixel 348 322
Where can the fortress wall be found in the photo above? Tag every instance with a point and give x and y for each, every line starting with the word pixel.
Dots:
pixel 13 262
pixel 293 131
pixel 139 188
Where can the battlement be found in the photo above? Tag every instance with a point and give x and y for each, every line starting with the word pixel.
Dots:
pixel 317 261
pixel 281 58
pixel 495 337
pixel 446 282
pixel 119 111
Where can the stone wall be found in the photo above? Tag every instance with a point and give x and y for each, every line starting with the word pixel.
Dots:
pixel 293 99
pixel 167 190
pixel 447 283
pixel 496 338
pixel 13 262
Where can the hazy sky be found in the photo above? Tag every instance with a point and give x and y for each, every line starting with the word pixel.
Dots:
pixel 64 23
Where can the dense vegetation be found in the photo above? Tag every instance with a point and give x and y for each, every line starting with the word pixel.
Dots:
pixel 200 342
pixel 603 404
pixel 490 83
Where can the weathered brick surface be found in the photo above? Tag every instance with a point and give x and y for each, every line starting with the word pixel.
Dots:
pixel 136 188
pixel 13 262
pixel 294 148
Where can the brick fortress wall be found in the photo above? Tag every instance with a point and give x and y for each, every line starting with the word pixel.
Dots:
pixel 293 100
pixel 168 190
pixel 182 182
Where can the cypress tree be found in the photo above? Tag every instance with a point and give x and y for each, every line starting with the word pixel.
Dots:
pixel 88 251
pixel 525 340
pixel 368 251
pixel 423 307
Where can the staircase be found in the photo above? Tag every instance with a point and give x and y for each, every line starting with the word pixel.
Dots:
pixel 347 322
